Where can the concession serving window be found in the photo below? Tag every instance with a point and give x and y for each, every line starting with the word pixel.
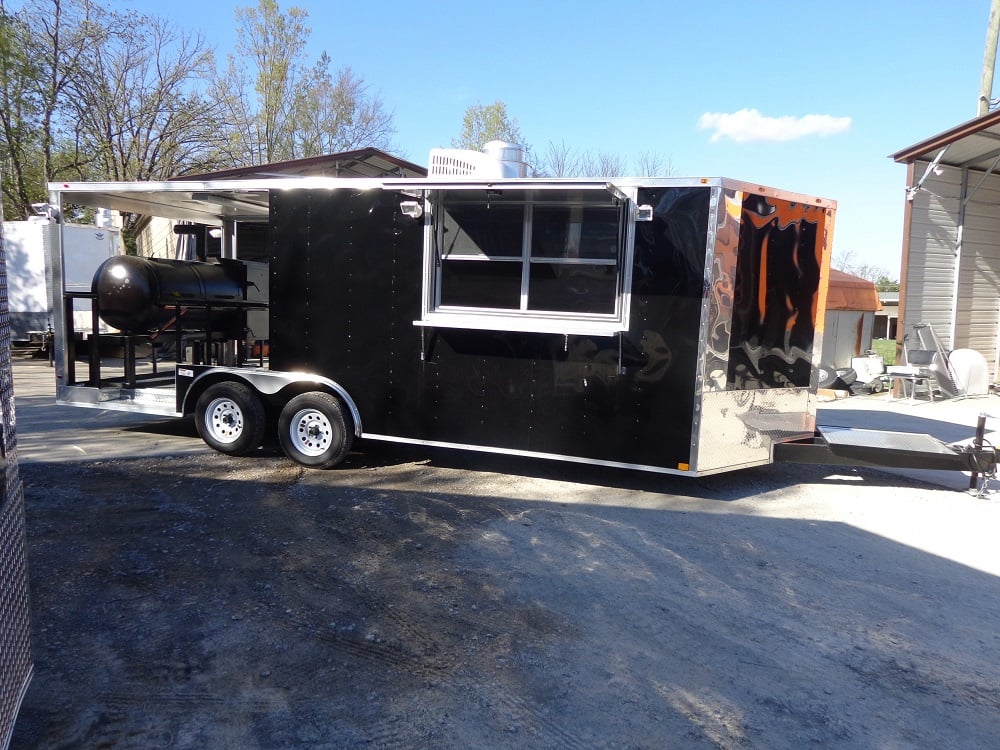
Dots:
pixel 549 259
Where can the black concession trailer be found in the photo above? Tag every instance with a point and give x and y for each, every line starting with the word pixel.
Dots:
pixel 671 324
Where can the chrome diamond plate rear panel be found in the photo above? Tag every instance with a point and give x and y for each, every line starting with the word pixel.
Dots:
pixel 738 428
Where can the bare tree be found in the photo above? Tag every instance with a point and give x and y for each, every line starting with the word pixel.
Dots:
pixel 559 160
pixel 652 164
pixel 603 164
pixel 338 115
pixel 563 160
pixel 88 93
pixel 139 111
pixel 846 261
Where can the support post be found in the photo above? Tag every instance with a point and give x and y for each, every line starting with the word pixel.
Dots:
pixel 989 58
pixel 977 444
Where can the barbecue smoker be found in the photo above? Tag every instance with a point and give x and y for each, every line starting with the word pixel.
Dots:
pixel 670 325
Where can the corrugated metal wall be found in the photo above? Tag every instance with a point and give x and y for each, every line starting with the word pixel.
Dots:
pixel 930 272
pixel 979 273
pixel 953 266
pixel 157 239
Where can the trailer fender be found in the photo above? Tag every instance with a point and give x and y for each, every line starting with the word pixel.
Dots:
pixel 269 383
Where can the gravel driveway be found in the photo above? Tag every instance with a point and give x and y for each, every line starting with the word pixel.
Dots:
pixel 423 599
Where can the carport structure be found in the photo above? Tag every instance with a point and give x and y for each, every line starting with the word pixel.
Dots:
pixel 951 238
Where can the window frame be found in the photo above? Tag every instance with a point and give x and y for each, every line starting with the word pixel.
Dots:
pixel 434 314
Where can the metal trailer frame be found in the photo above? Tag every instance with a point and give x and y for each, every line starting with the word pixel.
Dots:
pixel 703 362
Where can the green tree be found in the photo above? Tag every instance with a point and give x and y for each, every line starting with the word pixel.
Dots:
pixel 259 87
pixel 886 284
pixel 483 123
pixel 23 177
pixel 43 42
pixel 277 107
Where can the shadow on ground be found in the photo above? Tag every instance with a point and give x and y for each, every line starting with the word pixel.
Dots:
pixel 202 601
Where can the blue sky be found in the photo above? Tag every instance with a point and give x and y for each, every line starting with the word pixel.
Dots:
pixel 807 97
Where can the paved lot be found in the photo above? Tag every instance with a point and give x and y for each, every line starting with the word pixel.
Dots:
pixel 412 598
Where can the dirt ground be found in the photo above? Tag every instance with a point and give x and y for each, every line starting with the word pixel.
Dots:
pixel 424 599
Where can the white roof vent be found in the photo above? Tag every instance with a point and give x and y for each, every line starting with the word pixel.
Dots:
pixel 497 160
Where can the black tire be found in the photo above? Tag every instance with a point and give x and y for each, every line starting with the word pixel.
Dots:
pixel 313 432
pixel 231 418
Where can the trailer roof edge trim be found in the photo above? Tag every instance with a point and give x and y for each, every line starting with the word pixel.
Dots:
pixel 218 201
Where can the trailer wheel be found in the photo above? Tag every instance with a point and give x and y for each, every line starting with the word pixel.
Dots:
pixel 312 430
pixel 231 418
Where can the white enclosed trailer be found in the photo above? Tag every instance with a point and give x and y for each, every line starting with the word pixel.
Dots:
pixel 29 274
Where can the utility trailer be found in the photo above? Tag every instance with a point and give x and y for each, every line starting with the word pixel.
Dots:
pixel 670 325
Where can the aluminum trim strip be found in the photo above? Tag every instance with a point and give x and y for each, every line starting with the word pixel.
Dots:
pixel 527 454
pixel 716 203
pixel 560 457
pixel 521 323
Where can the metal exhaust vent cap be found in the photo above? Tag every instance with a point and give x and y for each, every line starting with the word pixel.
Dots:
pixel 509 155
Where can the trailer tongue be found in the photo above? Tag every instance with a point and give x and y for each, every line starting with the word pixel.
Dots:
pixel 879 448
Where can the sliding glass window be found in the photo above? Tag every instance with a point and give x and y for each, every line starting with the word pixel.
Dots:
pixel 547 252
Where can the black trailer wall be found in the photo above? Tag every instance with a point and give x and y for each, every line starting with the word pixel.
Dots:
pixel 346 281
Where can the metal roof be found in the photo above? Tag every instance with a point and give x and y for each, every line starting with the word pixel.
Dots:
pixel 365 162
pixel 849 292
pixel 973 145
pixel 209 202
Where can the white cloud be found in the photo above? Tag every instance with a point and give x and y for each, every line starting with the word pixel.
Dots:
pixel 749 125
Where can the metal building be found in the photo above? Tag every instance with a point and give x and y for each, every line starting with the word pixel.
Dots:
pixel 950 276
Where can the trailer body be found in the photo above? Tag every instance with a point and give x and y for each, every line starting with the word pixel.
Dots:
pixel 669 324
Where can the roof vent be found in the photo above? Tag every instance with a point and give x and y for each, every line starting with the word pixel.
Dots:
pixel 497 160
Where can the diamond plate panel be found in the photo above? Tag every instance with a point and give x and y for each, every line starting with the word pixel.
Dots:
pixel 738 428
pixel 15 652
